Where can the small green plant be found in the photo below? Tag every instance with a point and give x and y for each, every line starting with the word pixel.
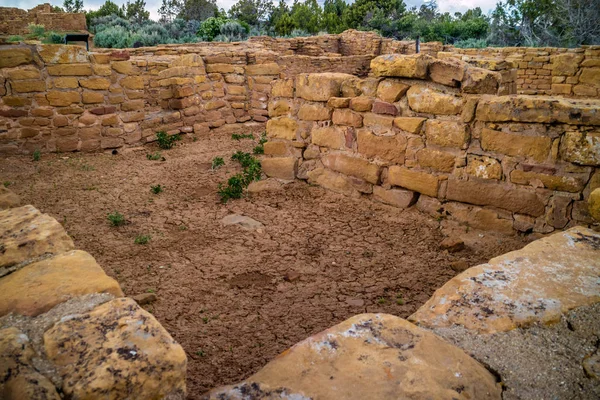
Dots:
pixel 142 239
pixel 183 228
pixel 205 320
pixel 36 31
pixel 151 291
pixel 217 162
pixel 260 148
pixel 7 183
pixel 237 136
pixel 237 183
pixel 116 218
pixel 37 155
pixel 399 299
pixel 165 141
pixel 154 156
pixel 201 353
pixel 156 189
pixel 15 38
pixel 381 300
pixel 87 167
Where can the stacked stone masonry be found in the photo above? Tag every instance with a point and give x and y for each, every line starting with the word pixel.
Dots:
pixel 15 21
pixel 435 132
pixel 66 331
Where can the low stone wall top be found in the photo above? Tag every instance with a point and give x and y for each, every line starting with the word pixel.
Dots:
pixel 65 327
pixel 435 130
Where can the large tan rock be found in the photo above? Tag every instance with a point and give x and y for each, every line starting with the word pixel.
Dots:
pixel 581 147
pixel 335 182
pixel 401 66
pixel 566 64
pixel 282 128
pixel 594 204
pixel 282 88
pixel 449 72
pixel 535 284
pixel 333 137
pixel 26 233
pixel 314 112
pixel 395 197
pixel 62 54
pixel 8 198
pixel 426 100
pixel 37 287
pixel 516 145
pixel 13 56
pixel 491 193
pixel 87 350
pixel 20 380
pixel 369 356
pixel 436 159
pixel 280 167
pixel 353 166
pixel 481 81
pixel 447 133
pixel 387 148
pixel 418 181
pixel 409 124
pixel 390 90
pixel 320 87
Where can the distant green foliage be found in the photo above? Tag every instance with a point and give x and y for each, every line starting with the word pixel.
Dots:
pixel 166 141
pixel 116 218
pixel 471 44
pixel 55 38
pixel 15 38
pixel 36 30
pixel 115 37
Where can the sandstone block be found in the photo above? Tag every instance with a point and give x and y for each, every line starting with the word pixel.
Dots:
pixel 534 147
pixel 124 67
pixel 263 69
pixel 275 149
pixel 89 97
pixel 594 204
pixel 484 167
pixel 320 87
pixel 401 66
pixel 485 193
pixel 449 72
pixel 14 56
pixel 421 182
pixel 28 86
pixel 566 64
pixel 118 336
pixel 391 91
pixel 62 54
pixel 56 98
pixel 282 88
pixel 391 149
pixel 280 167
pixel 562 276
pixel 425 100
pixel 338 102
pixel 65 83
pixel 552 182
pixel 378 120
pixel 279 107
pixel 361 103
pixel 282 128
pixel 581 147
pixel 333 181
pixel 314 112
pixel 447 133
pixel 333 137
pixel 69 69
pixel 381 107
pixel 590 76
pixel 95 83
pixel 395 197
pixel 352 166
pixel 326 366
pixel 435 159
pixel 37 287
pixel 132 82
pixel 26 233
pixel 481 81
pixel 409 124
pixel 347 117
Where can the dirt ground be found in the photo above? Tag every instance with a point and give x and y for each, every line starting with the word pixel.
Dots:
pixel 235 299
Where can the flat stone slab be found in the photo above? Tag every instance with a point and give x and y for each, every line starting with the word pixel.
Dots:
pixel 242 221
pixel 26 233
pixel 369 356
pixel 39 286
pixel 117 351
pixel 538 283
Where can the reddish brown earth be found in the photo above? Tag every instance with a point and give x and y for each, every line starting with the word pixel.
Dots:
pixel 235 299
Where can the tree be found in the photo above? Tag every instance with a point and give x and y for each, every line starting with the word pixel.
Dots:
pixel 136 11
pixel 168 10
pixel 73 6
pixel 307 15
pixel 198 9
pixel 360 13
pixel 252 12
pixel 333 12
pixel 285 25
pixel 108 8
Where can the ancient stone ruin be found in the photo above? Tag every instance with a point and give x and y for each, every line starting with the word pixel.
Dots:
pixel 504 140
pixel 15 21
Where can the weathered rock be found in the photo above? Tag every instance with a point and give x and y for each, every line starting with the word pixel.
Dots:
pixel 418 181
pixel 314 112
pixel 594 204
pixel 436 159
pixel 26 233
pixel 409 124
pixel 282 128
pixel 401 66
pixel 145 298
pixel 282 88
pixel 449 72
pixel 581 148
pixel 347 117
pixel 352 166
pixel 8 198
pixel 536 284
pixel 452 244
pixel 395 197
pixel 320 87
pixel 512 144
pixel 333 137
pixel 361 103
pixel 265 185
pixel 391 91
pixel 459 266
pixel 481 81
pixel 20 379
pixel 37 287
pixel 369 356
pixel 387 148
pixel 484 167
pixel 447 133
pixel 87 349
pixel 566 63
pixel 280 167
pixel 333 181
pixel 425 100
pixel 62 54
pixel 243 221
pixel 14 56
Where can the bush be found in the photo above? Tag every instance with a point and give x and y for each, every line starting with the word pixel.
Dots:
pixel 115 37
pixel 116 218
pixel 36 30
pixel 53 37
pixel 234 31
pixel 15 38
pixel 165 141
pixel 210 28
pixel 471 44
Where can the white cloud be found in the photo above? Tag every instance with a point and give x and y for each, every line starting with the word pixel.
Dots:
pixel 153 5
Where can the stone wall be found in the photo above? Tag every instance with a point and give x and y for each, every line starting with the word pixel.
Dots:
pixel 435 133
pixel 548 70
pixel 66 331
pixel 62 98
pixel 14 21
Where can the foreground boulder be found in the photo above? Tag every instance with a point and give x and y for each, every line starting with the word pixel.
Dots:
pixel 369 356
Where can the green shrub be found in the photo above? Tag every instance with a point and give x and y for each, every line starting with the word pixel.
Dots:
pixel 37 155
pixel 234 188
pixel 237 183
pixel 156 189
pixel 142 239
pixel 237 136
pixel 217 162
pixel 154 156
pixel 260 148
pixel 15 38
pixel 116 218
pixel 115 37
pixel 36 30
pixel 210 28
pixel 55 38
pixel 165 141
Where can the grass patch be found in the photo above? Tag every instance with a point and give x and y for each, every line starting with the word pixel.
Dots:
pixel 217 162
pixel 37 155
pixel 154 156
pixel 237 136
pixel 116 218
pixel 156 189
pixel 165 141
pixel 142 239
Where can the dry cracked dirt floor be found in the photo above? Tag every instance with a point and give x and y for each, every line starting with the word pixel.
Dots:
pixel 225 293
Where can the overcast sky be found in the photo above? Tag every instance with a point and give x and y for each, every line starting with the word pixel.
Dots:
pixel 153 5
